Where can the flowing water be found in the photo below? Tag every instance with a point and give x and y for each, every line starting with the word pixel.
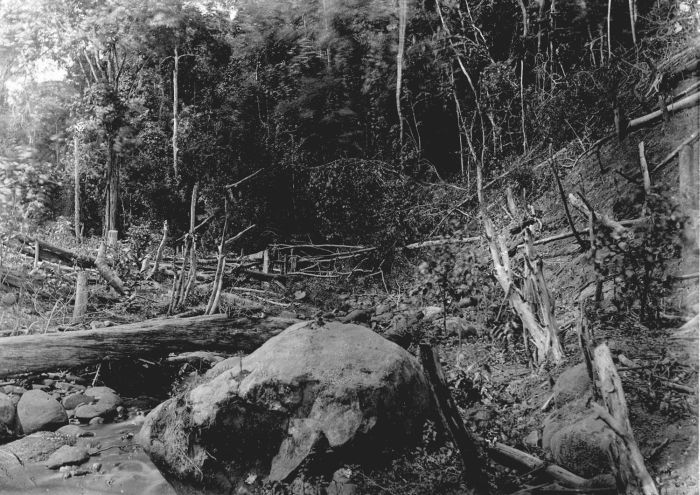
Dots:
pixel 126 469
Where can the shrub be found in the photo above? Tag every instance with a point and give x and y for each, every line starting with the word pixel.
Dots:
pixel 638 262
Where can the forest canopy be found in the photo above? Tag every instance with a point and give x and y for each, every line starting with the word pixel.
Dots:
pixel 344 105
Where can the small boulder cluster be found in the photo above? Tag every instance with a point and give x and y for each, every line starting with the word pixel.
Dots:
pixel 52 404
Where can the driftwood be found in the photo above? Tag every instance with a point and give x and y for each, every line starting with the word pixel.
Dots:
pixel 448 413
pixel 628 462
pixel 146 339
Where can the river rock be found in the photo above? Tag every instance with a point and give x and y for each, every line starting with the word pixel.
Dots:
pixel 74 400
pixel 33 448
pixel 67 455
pixel 74 431
pixel 105 407
pixel 14 389
pixel 37 410
pixel 312 391
pixel 7 417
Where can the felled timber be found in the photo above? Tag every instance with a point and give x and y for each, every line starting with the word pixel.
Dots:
pixel 682 104
pixel 151 338
pixel 628 462
pixel 49 252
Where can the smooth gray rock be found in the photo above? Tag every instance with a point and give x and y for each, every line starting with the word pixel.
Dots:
pixel 67 455
pixel 74 400
pixel 37 411
pixel 105 407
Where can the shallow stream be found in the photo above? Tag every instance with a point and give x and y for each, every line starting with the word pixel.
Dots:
pixel 125 469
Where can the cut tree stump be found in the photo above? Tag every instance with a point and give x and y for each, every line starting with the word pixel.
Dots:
pixel 151 338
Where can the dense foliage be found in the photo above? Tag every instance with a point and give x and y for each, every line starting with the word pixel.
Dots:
pixel 307 91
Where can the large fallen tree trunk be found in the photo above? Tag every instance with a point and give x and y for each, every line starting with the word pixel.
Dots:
pixel 151 338
pixel 49 252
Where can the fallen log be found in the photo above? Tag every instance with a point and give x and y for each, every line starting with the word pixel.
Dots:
pixel 440 242
pixel 109 275
pixel 53 253
pixel 531 463
pixel 628 462
pixel 682 104
pixel 151 338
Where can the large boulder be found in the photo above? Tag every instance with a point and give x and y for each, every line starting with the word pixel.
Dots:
pixel 37 411
pixel 573 433
pixel 309 393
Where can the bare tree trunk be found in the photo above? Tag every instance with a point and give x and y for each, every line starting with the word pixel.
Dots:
pixel 76 188
pixel 193 252
pixel 403 12
pixel 526 29
pixel 213 303
pixel 522 105
pixel 176 68
pixel 112 196
pixel 609 40
pixel 633 20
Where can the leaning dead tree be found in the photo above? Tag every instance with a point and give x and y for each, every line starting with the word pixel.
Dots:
pixel 533 303
pixel 178 295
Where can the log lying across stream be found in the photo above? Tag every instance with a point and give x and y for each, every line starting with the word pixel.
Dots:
pixel 151 338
